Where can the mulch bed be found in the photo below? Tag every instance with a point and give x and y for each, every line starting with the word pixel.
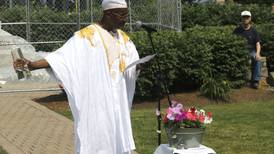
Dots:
pixel 59 102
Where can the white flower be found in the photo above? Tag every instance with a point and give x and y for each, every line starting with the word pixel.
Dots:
pixel 202 111
pixel 208 120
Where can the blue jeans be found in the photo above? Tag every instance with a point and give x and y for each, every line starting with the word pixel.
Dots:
pixel 255 67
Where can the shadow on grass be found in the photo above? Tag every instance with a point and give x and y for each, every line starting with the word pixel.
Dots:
pixel 2 151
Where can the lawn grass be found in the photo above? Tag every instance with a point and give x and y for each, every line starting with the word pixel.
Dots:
pixel 2 151
pixel 242 128
pixel 238 128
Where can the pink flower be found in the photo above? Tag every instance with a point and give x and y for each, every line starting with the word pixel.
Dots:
pixel 170 110
pixel 209 114
pixel 181 116
pixel 177 110
pixel 201 118
pixel 171 117
pixel 177 114
pixel 191 116
pixel 193 110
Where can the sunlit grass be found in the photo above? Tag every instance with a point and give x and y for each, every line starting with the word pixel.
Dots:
pixel 246 128
pixel 238 128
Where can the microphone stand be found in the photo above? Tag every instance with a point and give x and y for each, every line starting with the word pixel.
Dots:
pixel 161 81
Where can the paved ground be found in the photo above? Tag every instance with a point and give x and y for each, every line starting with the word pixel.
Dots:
pixel 29 128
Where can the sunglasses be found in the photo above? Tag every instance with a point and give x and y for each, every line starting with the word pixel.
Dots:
pixel 120 16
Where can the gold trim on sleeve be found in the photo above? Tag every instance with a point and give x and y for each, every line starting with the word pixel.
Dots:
pixel 87 33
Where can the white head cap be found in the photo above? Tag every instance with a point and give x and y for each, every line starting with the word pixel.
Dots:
pixel 113 4
pixel 246 13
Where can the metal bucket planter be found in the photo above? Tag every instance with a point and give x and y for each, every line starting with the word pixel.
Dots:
pixel 185 137
pixel 171 137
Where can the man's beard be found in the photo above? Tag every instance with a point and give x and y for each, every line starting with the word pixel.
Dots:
pixel 121 25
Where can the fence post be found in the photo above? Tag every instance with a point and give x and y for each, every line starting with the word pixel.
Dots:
pixel 87 5
pixel 130 17
pixel 179 9
pixel 10 3
pixel 159 6
pixel 79 14
pixel 91 11
pixel 28 28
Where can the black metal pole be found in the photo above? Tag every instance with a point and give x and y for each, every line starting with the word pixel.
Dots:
pixel 161 76
pixel 161 80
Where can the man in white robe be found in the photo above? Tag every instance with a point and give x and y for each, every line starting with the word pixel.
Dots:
pixel 91 66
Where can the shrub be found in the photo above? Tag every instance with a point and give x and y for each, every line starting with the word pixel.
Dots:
pixel 168 59
pixel 188 57
pixel 215 88
pixel 220 15
pixel 267 36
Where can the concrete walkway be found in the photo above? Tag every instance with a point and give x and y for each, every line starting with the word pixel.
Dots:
pixel 29 128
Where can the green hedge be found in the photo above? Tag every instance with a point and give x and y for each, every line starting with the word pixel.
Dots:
pixel 219 15
pixel 191 56
pixel 267 35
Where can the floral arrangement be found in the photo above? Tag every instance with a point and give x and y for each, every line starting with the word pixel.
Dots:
pixel 180 117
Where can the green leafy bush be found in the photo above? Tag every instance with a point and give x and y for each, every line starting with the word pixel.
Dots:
pixel 188 57
pixel 220 15
pixel 267 36
pixel 168 59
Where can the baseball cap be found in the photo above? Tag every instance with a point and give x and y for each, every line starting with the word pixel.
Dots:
pixel 246 13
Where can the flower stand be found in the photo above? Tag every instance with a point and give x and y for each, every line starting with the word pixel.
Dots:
pixel 165 149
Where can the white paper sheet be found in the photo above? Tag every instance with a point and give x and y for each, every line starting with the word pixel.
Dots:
pixel 141 61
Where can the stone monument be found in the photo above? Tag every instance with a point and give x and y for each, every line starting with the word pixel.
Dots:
pixel 8 43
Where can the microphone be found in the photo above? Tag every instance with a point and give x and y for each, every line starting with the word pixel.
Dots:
pixel 149 29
